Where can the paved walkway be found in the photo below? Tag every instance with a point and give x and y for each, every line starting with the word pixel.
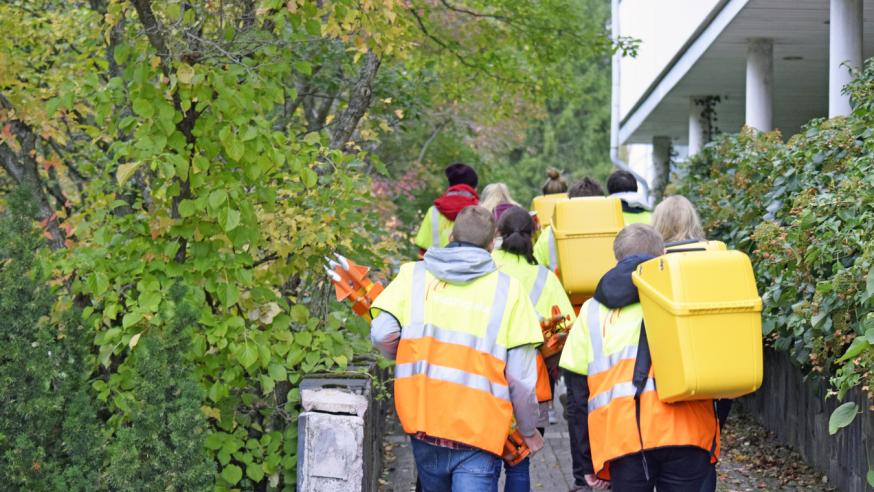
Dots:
pixel 550 468
pixel 751 460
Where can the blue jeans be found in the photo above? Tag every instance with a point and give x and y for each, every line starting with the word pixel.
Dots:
pixel 459 470
pixel 518 477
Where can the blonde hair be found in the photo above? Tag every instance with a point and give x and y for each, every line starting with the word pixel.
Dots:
pixel 675 219
pixel 494 195
pixel 638 239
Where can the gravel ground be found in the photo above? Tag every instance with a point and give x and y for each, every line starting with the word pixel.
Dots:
pixel 752 460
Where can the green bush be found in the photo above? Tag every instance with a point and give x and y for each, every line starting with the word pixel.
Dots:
pixel 803 210
pixel 49 434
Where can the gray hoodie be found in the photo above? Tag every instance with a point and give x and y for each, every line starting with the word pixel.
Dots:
pixel 459 264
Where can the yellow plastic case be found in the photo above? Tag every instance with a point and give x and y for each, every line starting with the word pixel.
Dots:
pixel 681 246
pixel 584 229
pixel 703 323
pixel 543 205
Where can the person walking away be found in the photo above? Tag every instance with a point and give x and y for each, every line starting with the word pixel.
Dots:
pixel 515 258
pixel 544 249
pixel 635 441
pixel 554 183
pixel 623 185
pixel 497 200
pixel 464 337
pixel 437 223
pixel 676 219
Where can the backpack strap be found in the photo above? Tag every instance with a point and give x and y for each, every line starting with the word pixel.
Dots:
pixel 642 365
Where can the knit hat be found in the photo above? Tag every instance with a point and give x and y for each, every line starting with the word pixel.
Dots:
pixel 459 173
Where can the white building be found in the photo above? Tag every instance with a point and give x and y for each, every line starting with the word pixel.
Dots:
pixel 772 63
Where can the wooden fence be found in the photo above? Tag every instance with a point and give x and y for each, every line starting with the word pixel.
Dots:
pixel 797 412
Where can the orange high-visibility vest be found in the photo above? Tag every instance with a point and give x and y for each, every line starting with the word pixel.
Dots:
pixel 613 431
pixel 449 380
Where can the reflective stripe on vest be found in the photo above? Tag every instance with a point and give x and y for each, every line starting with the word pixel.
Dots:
pixel 463 193
pixel 435 228
pixel 601 363
pixel 553 255
pixel 452 375
pixel 539 284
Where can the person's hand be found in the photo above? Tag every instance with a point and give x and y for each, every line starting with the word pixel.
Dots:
pixel 596 483
pixel 534 442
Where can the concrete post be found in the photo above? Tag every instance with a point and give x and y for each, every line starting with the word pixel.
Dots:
pixel 844 51
pixel 696 130
pixel 661 160
pixel 760 85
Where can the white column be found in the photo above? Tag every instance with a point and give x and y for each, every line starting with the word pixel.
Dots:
pixel 696 130
pixel 760 85
pixel 845 48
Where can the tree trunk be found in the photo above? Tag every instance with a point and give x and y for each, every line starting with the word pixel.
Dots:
pixel 359 101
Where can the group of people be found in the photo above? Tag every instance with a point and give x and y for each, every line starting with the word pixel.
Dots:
pixel 463 325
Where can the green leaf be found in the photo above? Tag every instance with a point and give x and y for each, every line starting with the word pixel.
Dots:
pixel 309 178
pixel 842 417
pixel 859 344
pixel 228 294
pixel 870 478
pixel 215 440
pixel 234 148
pixel 185 73
pixel 248 355
pixel 277 372
pixel 131 319
pixel 187 208
pixel 232 474
pixel 303 338
pixel 125 171
pixel 143 107
pixel 341 361
pixel 101 283
pixel 229 219
pixel 217 198
pixel 255 472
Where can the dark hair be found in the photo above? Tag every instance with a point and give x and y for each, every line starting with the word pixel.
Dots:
pixel 516 228
pixel 586 187
pixel 621 181
pixel 554 183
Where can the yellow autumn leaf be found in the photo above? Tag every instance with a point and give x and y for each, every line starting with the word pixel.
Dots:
pixel 125 171
pixel 134 340
pixel 185 73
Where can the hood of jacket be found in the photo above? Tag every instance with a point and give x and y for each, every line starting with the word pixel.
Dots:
pixel 615 289
pixel 631 202
pixel 455 199
pixel 459 263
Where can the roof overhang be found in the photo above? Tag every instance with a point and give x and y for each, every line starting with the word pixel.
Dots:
pixel 713 62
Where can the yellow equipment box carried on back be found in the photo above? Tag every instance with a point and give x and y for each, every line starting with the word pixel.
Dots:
pixel 584 229
pixel 694 245
pixel 703 318
pixel 543 205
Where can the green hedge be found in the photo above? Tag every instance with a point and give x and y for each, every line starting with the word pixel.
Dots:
pixel 804 212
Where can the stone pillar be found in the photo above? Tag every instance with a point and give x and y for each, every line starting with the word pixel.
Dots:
pixel 339 441
pixel 696 130
pixel 760 85
pixel 844 51
pixel 661 160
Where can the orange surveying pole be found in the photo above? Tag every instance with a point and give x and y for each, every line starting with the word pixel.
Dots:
pixel 351 282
